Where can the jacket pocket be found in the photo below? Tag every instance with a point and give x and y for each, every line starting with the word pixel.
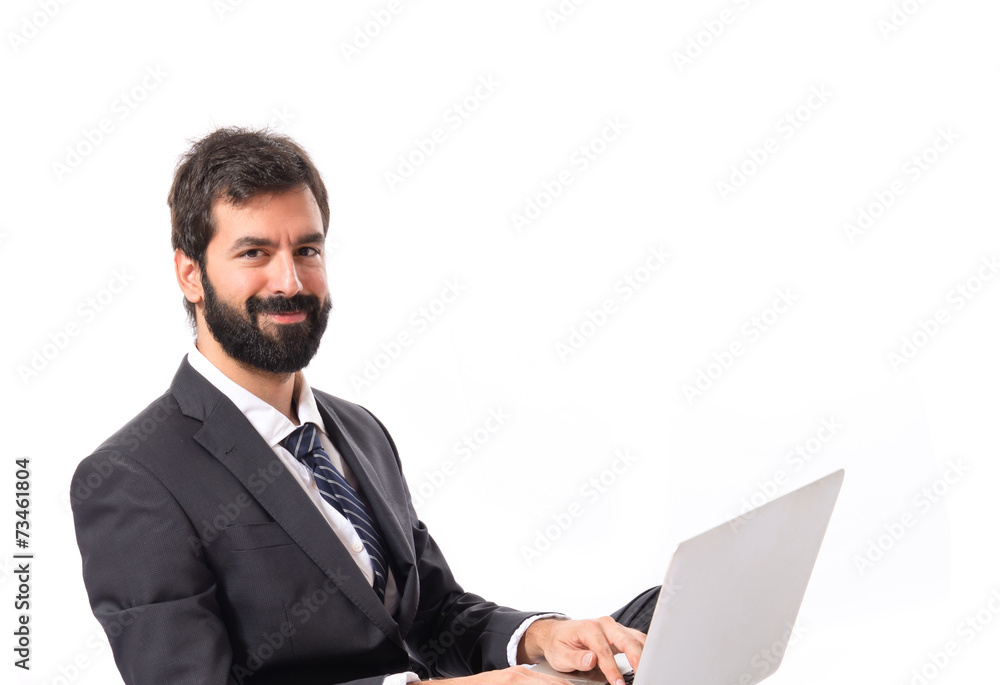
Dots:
pixel 256 536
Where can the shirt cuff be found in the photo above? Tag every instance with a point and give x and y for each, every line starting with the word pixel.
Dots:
pixel 401 678
pixel 515 640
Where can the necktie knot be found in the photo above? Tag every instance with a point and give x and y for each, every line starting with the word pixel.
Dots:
pixel 302 442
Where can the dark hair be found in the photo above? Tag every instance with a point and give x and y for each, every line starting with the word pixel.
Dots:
pixel 234 165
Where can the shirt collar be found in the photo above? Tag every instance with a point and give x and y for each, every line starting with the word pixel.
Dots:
pixel 272 425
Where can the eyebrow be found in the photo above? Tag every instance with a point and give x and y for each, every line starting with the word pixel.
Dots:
pixel 253 241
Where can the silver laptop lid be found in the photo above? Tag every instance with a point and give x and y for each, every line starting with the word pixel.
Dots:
pixel 734 592
pixel 731 595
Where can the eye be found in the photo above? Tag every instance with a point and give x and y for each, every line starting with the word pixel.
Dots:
pixel 251 254
pixel 309 251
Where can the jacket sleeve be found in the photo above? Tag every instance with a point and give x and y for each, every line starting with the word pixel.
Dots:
pixel 146 577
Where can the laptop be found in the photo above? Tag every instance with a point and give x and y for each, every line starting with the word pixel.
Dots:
pixel 730 597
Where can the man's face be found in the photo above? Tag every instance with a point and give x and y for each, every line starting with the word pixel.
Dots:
pixel 266 299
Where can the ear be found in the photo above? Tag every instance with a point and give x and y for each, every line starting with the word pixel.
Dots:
pixel 188 277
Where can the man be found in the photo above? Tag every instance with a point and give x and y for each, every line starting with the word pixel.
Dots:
pixel 245 528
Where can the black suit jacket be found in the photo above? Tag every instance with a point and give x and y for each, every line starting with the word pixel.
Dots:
pixel 206 563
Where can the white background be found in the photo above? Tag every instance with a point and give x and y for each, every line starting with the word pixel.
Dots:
pixel 889 92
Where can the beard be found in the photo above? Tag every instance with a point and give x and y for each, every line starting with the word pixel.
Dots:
pixel 287 349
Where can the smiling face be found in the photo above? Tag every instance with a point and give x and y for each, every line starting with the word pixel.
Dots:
pixel 262 295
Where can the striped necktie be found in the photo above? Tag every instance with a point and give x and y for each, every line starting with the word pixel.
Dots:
pixel 304 445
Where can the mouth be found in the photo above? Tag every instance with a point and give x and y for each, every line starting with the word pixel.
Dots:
pixel 287 317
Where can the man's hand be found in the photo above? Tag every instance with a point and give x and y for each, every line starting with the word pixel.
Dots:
pixel 582 645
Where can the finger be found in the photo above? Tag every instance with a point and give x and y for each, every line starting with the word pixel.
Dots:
pixel 580 659
pixel 589 649
pixel 609 667
pixel 628 641
pixel 587 661
pixel 601 647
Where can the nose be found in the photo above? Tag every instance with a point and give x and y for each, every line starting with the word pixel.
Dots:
pixel 284 276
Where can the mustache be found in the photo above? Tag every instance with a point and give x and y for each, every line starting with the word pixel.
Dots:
pixel 310 304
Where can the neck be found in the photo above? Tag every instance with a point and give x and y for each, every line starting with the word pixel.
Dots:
pixel 277 389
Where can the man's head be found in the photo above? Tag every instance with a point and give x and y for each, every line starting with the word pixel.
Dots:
pixel 249 215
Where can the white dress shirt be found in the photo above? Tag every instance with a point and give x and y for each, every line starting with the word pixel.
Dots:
pixel 274 427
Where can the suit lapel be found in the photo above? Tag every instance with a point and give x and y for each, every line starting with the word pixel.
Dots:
pixel 231 438
pixel 400 551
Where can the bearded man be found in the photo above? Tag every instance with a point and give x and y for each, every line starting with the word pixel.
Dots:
pixel 261 531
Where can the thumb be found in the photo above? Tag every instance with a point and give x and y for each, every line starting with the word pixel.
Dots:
pixel 588 660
